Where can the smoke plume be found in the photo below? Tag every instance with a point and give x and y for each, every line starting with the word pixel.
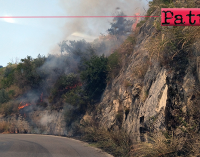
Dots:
pixel 91 28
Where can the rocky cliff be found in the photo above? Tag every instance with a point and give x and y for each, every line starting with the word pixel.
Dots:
pixel 149 97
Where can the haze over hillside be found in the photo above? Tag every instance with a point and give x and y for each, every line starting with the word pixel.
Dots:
pixel 33 36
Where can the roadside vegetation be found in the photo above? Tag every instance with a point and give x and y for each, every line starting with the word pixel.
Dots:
pixel 116 142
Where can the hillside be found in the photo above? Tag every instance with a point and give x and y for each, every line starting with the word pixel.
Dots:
pixel 135 95
pixel 155 97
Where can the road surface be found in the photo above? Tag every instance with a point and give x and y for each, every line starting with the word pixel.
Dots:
pixel 30 145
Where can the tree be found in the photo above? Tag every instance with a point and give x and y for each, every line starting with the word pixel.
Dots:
pixel 120 26
pixel 3 96
pixel 94 76
pixel 75 48
pixel 8 78
pixel 77 53
pixel 26 74
pixel 64 84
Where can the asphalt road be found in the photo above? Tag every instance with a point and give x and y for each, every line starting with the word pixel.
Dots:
pixel 30 145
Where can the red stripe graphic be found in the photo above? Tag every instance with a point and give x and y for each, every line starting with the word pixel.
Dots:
pixel 70 16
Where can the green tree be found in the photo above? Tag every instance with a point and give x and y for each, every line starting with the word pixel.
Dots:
pixel 120 26
pixel 9 77
pixel 27 74
pixel 94 76
pixel 74 47
pixel 77 101
pixel 64 84
pixel 3 96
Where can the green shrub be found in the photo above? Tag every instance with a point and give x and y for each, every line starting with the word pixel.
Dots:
pixel 119 58
pixel 8 71
pixel 27 74
pixel 64 84
pixel 67 81
pixel 9 108
pixel 94 76
pixel 3 96
pixel 76 97
pixel 122 24
pixel 141 23
pixel 39 61
pixel 11 92
pixel 113 65
pixel 8 77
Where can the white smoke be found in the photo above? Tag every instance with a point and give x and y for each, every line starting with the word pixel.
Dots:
pixel 91 28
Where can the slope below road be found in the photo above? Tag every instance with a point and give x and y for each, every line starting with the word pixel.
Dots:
pixel 29 145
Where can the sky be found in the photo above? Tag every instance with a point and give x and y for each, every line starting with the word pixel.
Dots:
pixel 22 37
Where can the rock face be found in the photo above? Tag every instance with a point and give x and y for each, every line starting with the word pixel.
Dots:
pixel 154 99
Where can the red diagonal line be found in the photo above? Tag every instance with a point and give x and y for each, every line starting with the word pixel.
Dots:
pixel 70 16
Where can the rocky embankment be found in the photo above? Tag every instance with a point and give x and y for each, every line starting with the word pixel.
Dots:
pixel 147 97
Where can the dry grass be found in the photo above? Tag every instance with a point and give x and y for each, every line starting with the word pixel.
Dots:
pixel 14 125
pixel 169 42
pixel 4 126
pixel 17 91
pixel 126 48
pixel 144 95
pixel 159 146
pixel 127 83
pixel 115 142
pixel 157 4
pixel 119 58
pixel 128 45
pixel 140 70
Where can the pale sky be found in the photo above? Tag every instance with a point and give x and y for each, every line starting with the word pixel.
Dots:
pixel 22 37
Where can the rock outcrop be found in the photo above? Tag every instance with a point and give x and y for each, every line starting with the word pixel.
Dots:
pixel 156 97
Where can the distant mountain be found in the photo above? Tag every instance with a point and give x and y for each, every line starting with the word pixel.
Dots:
pixel 1 66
